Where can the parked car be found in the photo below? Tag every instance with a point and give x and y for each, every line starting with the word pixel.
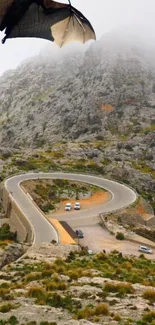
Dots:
pixel 79 233
pixel 145 249
pixel 68 207
pixel 77 206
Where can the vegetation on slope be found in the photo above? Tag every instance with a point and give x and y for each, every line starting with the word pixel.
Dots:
pixel 87 287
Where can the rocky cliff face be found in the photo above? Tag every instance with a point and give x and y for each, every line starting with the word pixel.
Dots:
pixel 109 90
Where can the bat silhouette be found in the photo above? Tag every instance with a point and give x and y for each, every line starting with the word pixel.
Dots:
pixel 45 19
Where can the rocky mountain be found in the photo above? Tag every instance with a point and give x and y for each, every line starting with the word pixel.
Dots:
pixel 89 109
pixel 107 90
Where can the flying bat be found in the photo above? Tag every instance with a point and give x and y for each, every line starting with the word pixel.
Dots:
pixel 47 19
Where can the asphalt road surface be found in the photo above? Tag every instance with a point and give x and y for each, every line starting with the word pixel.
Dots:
pixel 122 196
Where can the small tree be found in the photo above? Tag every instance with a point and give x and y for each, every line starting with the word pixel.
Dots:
pixel 6 234
pixel 120 236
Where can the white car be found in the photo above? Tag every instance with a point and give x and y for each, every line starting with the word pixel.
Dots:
pixel 145 249
pixel 68 207
pixel 77 206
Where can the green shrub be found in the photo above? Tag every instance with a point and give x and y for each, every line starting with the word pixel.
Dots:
pixel 120 236
pixel 149 317
pixel 6 307
pixel 13 320
pixel 3 322
pixel 149 295
pixel 63 302
pixel 6 234
pixel 38 293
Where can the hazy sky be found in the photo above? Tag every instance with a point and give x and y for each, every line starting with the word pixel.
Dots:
pixel 104 16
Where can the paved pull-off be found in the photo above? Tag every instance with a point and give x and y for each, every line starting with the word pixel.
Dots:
pixel 122 196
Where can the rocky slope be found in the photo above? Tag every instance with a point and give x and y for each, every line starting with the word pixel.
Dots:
pixel 60 285
pixel 108 90
pixel 65 284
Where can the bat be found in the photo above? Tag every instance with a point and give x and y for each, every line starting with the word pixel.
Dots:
pixel 47 19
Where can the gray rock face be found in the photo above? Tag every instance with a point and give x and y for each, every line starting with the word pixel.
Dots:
pixel 11 253
pixel 108 90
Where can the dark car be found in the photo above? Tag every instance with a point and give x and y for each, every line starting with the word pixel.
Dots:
pixel 79 233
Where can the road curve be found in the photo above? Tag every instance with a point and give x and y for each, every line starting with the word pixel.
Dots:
pixel 122 196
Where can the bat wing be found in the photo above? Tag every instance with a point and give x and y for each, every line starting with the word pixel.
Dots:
pixel 75 27
pixel 53 21
pixel 4 5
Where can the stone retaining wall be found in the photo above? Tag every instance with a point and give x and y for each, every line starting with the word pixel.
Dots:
pixel 16 219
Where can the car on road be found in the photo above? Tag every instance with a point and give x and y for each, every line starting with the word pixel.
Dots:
pixel 68 207
pixel 145 249
pixel 79 233
pixel 77 206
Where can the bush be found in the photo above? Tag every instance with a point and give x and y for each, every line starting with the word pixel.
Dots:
pixel 13 320
pixel 6 234
pixel 88 312
pixel 6 307
pixel 117 317
pixel 53 285
pixel 149 317
pixel 121 288
pixel 33 276
pixel 37 292
pixel 63 302
pixel 149 295
pixel 5 294
pixel 120 236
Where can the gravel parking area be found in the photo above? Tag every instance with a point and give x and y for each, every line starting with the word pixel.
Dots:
pixel 97 239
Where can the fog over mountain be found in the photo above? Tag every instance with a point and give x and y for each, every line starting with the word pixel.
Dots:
pixel 63 94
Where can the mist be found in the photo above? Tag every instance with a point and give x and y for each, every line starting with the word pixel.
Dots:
pixel 136 16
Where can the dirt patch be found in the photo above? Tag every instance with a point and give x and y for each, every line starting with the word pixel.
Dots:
pixel 107 108
pixel 96 199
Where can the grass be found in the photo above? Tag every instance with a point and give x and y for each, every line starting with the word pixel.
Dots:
pixel 5 308
pixel 48 323
pixel 5 294
pixel 53 299
pixel 149 295
pixel 90 312
pixel 121 288
pixel 117 317
pixel 149 317
pixel 33 276
pixel 56 285
pixel 38 293
pixel 116 267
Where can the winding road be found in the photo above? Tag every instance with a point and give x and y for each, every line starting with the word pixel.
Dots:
pixel 122 196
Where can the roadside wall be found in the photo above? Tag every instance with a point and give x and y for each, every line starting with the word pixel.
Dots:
pixel 16 219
